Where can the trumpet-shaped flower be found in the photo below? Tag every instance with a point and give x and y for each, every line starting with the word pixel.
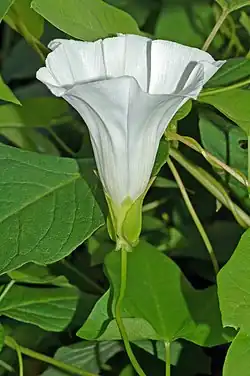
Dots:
pixel 127 89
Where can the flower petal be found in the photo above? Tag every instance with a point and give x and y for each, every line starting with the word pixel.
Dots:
pixel 73 62
pixel 44 75
pixel 128 55
pixel 211 68
pixel 173 63
pixel 125 124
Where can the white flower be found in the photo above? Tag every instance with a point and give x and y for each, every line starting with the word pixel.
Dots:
pixel 127 89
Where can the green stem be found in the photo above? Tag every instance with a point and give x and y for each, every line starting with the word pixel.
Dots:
pixel 30 39
pixel 14 345
pixel 6 289
pixel 219 90
pixel 118 315
pixel 213 186
pixel 215 30
pixel 9 341
pixel 194 216
pixel 6 366
pixel 167 359
pixel 193 144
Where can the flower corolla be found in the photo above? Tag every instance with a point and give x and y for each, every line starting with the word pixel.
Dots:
pixel 127 89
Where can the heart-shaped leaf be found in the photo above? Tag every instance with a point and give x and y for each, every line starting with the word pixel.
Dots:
pixel 48 207
pixel 86 19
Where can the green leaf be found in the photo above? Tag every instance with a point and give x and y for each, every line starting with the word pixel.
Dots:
pixel 161 182
pixel 234 104
pixel 245 21
pixel 138 9
pixel 37 274
pixel 99 245
pixel 47 208
pixel 185 313
pixel 1 337
pixel 4 7
pixel 196 20
pixel 233 289
pixel 100 314
pixel 30 139
pixel 224 139
pixel 238 356
pixel 231 5
pixel 101 325
pixel 21 62
pixel 6 94
pixel 136 328
pixel 24 20
pixel 128 370
pixel 86 19
pixel 90 357
pixel 51 309
pixel 182 112
pixel 232 71
pixel 46 112
pixel 161 157
pixel 26 335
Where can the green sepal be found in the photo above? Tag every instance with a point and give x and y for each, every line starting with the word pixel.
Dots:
pixel 111 220
pixel 115 223
pixel 131 227
pixel 124 222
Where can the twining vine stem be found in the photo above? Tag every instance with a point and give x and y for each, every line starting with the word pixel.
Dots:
pixel 35 43
pixel 14 345
pixel 10 342
pixel 6 289
pixel 213 186
pixel 218 90
pixel 6 366
pixel 193 144
pixel 194 216
pixel 215 30
pixel 118 316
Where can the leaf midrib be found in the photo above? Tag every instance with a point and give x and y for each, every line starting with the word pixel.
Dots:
pixel 45 300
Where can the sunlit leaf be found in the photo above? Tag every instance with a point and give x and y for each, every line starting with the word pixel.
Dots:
pixel 231 5
pixel 6 94
pixel 47 207
pixel 86 19
pixel 49 308
pixel 85 355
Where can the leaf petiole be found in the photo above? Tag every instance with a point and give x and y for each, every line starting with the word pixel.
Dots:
pixel 167 359
pixel 10 342
pixel 121 327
